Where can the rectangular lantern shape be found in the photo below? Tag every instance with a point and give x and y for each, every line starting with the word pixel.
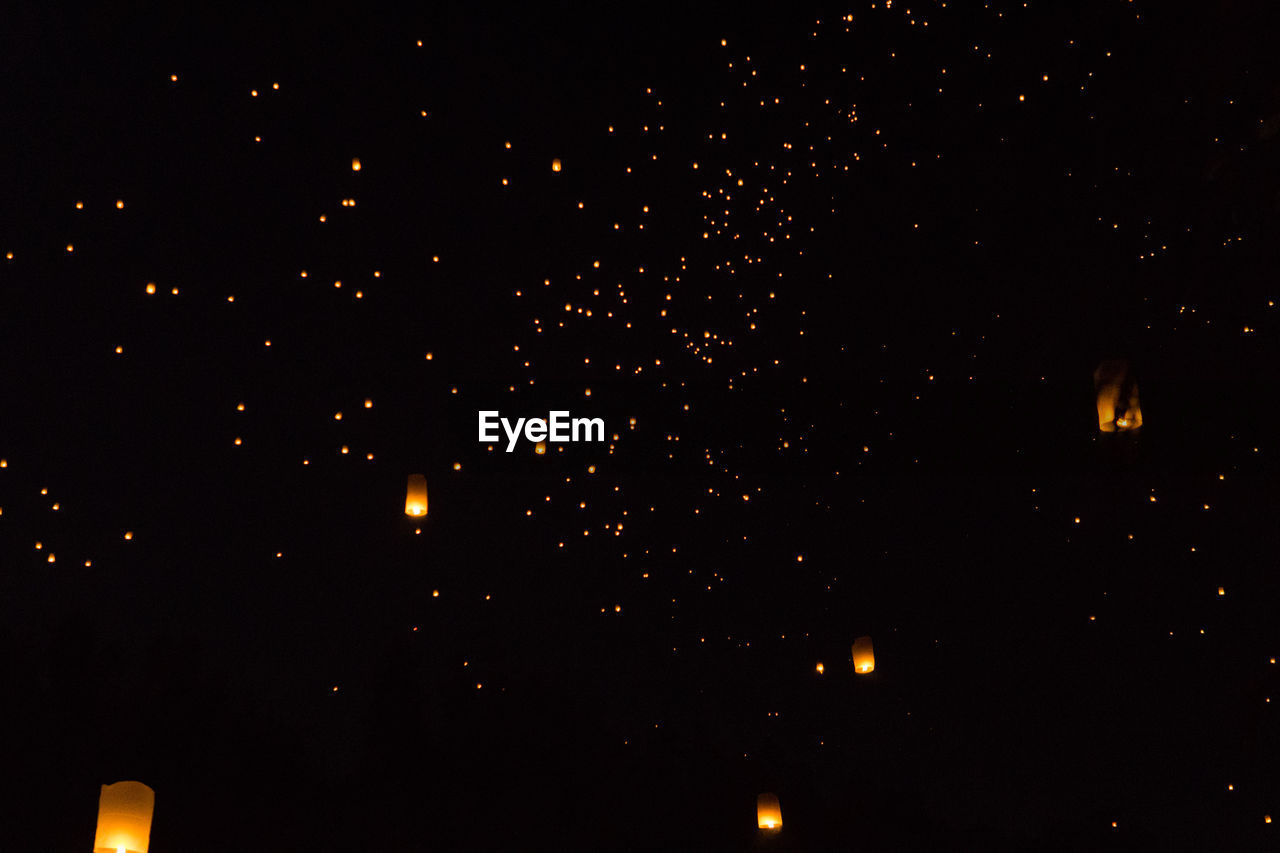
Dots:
pixel 415 499
pixel 124 818
pixel 1117 390
pixel 864 656
pixel 768 812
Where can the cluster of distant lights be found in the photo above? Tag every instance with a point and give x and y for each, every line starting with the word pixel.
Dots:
pixel 697 343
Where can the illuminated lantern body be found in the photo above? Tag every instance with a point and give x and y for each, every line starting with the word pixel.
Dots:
pixel 768 812
pixel 540 448
pixel 864 657
pixel 124 818
pixel 415 499
pixel 555 165
pixel 1118 409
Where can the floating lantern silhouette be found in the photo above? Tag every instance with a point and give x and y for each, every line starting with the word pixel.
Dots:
pixel 768 812
pixel 555 165
pixel 1118 409
pixel 415 499
pixel 540 448
pixel 864 657
pixel 124 818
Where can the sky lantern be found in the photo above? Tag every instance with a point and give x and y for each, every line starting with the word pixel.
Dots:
pixel 124 818
pixel 555 164
pixel 540 448
pixel 415 499
pixel 355 164
pixel 768 812
pixel 1118 409
pixel 864 657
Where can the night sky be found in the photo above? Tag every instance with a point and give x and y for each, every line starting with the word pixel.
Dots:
pixel 837 282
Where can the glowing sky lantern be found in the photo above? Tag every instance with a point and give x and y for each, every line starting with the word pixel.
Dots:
pixel 415 499
pixel 864 658
pixel 768 812
pixel 355 164
pixel 1118 409
pixel 540 448
pixel 555 165
pixel 124 818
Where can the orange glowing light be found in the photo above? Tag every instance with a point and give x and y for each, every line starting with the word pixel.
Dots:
pixel 864 658
pixel 415 501
pixel 768 812
pixel 124 818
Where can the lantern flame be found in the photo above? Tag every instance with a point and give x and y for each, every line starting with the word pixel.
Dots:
pixel 1118 409
pixel 124 818
pixel 864 657
pixel 415 500
pixel 768 812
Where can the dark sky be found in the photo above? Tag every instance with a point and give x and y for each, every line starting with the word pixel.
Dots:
pixel 854 278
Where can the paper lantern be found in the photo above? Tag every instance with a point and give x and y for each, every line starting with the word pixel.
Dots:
pixel 355 164
pixel 768 812
pixel 555 165
pixel 1117 390
pixel 864 657
pixel 540 448
pixel 415 499
pixel 124 818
